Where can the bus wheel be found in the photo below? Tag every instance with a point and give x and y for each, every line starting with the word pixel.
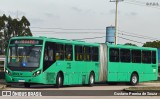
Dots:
pixel 134 79
pixel 26 85
pixel 91 79
pixel 59 80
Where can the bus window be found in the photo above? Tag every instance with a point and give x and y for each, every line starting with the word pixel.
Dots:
pixel 136 56
pixel 68 52
pixel 50 58
pixel 154 57
pixel 78 53
pixel 95 54
pixel 59 52
pixel 49 52
pixel 45 55
pixel 87 53
pixel 12 54
pixel 125 55
pixel 146 56
pixel 114 55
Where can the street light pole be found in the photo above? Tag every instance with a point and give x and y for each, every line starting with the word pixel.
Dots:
pixel 116 16
pixel 116 19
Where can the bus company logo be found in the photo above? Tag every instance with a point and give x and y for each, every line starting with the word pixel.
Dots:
pixel 6 93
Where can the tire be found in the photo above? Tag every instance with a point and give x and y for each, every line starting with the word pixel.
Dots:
pixel 59 80
pixel 26 85
pixel 134 79
pixel 91 79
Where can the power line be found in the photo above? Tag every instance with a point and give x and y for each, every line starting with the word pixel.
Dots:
pixel 135 36
pixel 80 29
pixel 120 32
pixel 138 35
pixel 90 32
pixel 130 40
pixel 90 38
pixel 105 36
pixel 54 32
pixel 66 29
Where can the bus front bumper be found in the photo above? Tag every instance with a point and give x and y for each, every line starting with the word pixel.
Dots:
pixel 38 79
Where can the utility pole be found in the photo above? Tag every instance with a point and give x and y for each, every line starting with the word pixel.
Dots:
pixel 116 19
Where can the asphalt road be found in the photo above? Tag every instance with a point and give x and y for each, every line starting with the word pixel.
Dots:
pixel 119 86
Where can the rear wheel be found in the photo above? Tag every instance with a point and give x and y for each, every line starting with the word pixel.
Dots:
pixel 134 79
pixel 59 80
pixel 26 85
pixel 91 79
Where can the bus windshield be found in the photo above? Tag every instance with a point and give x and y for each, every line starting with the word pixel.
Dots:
pixel 24 56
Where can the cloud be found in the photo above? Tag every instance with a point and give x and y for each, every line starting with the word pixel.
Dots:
pixel 132 14
pixel 35 20
pixel 13 14
pixel 16 14
pixel 50 15
pixel 76 9
pixel 112 11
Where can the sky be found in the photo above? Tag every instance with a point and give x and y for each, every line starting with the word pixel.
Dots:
pixel 78 19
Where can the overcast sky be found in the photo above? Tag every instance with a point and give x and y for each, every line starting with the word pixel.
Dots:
pixel 51 18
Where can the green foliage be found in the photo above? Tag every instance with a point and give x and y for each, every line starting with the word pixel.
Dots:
pixel 130 44
pixel 154 44
pixel 12 27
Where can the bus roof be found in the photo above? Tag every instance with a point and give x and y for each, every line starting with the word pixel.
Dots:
pixel 82 42
pixel 55 40
pixel 130 47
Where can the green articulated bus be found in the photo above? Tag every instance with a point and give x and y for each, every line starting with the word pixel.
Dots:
pixel 41 60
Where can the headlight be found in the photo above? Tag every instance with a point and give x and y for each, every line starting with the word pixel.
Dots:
pixel 37 73
pixel 8 72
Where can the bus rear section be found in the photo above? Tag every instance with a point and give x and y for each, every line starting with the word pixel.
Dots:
pixel 132 64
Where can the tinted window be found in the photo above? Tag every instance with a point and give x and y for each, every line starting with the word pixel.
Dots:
pixel 95 54
pixel 136 56
pixel 68 52
pixel 154 57
pixel 49 53
pixel 59 52
pixel 114 55
pixel 87 53
pixel 146 56
pixel 125 55
pixel 78 53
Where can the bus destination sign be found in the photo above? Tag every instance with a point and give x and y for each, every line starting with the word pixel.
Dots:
pixel 26 41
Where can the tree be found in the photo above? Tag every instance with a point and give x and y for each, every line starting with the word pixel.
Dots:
pixel 130 44
pixel 155 44
pixel 12 27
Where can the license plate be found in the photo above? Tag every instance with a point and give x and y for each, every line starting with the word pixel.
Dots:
pixel 21 80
